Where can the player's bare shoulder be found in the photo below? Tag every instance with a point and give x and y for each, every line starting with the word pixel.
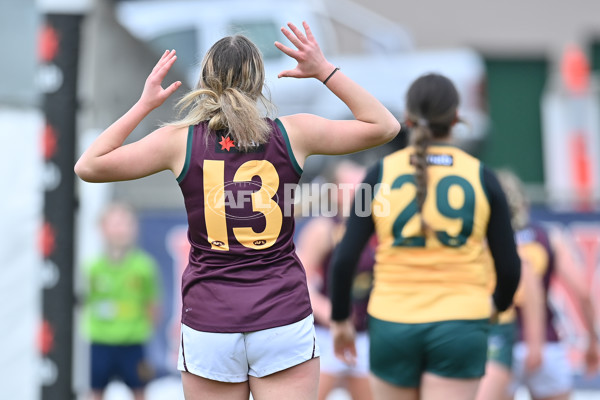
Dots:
pixel 173 139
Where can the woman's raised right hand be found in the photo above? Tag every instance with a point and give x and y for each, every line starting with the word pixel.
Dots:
pixel 154 95
pixel 311 61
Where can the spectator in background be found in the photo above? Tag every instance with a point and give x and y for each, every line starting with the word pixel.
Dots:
pixel 316 243
pixel 120 305
pixel 549 258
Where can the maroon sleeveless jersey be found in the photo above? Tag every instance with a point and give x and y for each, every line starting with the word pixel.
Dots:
pixel 243 273
pixel 537 234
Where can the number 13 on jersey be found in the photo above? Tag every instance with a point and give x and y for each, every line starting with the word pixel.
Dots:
pixel 215 213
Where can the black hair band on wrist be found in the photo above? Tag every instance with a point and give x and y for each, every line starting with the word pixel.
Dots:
pixel 330 75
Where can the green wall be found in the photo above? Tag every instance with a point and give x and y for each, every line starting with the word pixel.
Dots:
pixel 514 89
pixel 595 55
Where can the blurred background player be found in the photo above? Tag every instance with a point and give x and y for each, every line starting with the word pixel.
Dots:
pixel 316 242
pixel 430 306
pixel 495 384
pixel 247 324
pixel 120 305
pixel 549 258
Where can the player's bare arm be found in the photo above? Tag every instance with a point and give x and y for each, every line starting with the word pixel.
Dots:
pixel 310 134
pixel 108 160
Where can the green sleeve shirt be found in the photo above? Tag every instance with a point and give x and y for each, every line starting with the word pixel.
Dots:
pixel 120 298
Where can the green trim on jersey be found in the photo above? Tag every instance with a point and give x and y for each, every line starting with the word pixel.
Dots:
pixel 289 147
pixel 188 154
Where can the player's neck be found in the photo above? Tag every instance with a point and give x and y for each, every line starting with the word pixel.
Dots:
pixel 442 141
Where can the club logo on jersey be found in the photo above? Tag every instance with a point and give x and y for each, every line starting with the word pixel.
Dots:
pixel 443 160
pixel 227 145
pixel 217 243
pixel 259 242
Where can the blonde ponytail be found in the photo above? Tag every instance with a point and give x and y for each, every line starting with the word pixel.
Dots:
pixel 241 115
pixel 229 93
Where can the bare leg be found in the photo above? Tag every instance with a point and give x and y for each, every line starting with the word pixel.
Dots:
pixel 300 382
pixel 327 382
pixel 386 391
pixel 359 388
pixel 198 388
pixel 434 387
pixel 495 382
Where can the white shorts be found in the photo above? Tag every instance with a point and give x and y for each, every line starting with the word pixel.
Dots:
pixel 330 364
pixel 554 377
pixel 231 357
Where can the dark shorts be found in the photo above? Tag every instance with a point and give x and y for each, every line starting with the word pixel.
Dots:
pixel 501 339
pixel 122 362
pixel 401 353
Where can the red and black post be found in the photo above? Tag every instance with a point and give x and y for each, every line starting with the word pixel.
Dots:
pixel 59 57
